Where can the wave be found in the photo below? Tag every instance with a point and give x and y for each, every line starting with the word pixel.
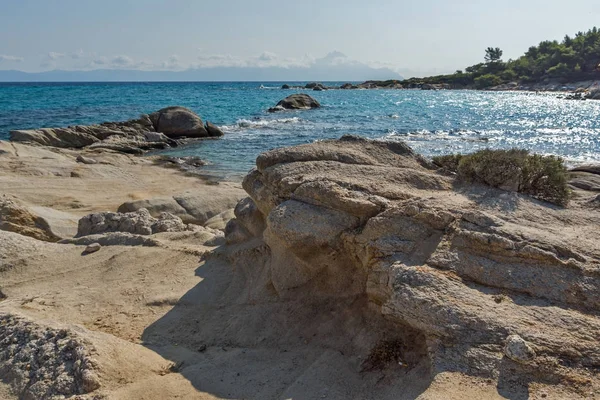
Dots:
pixel 259 123
pixel 269 87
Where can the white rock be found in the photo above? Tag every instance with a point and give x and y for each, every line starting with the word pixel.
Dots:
pixel 518 349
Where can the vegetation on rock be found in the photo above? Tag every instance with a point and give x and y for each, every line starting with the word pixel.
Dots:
pixel 542 177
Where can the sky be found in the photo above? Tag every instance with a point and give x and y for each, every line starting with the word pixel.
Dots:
pixel 410 37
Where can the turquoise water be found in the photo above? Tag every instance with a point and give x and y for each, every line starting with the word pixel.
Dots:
pixel 432 122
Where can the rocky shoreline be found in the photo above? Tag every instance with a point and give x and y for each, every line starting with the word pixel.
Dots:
pixel 168 127
pixel 585 90
pixel 352 268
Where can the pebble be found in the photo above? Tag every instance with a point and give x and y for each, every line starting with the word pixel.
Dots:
pixel 92 248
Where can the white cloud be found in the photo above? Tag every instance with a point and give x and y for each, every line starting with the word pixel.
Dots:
pixel 220 60
pixel 8 58
pixel 122 61
pixel 172 62
pixel 263 60
pixel 267 56
pixel 53 55
pixel 99 61
pixel 80 55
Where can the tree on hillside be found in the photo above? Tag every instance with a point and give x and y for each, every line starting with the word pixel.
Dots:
pixel 493 54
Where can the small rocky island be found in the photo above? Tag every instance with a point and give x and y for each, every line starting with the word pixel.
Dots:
pixel 298 101
pixel 159 130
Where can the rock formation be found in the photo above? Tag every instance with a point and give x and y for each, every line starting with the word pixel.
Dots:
pixel 155 131
pixel 45 363
pixel 498 284
pixel 298 101
pixel 15 217
pixel 139 222
pixel 213 130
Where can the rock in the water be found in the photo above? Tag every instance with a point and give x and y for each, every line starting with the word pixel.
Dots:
pixel 178 122
pixel 188 163
pixel 213 130
pixel 312 85
pixel 92 248
pixel 518 349
pixel 139 222
pixel 285 86
pixel 296 102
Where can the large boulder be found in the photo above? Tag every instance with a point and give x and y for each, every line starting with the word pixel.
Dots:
pixel 298 101
pixel 482 276
pixel 177 122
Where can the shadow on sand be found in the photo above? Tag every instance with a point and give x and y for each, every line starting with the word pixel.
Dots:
pixel 231 336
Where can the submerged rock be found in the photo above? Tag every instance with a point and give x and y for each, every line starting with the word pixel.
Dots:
pixel 298 101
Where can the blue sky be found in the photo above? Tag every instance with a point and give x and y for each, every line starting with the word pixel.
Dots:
pixel 411 37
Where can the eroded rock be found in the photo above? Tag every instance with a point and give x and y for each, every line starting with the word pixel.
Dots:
pixel 15 217
pixel 44 363
pixel 461 264
pixel 138 222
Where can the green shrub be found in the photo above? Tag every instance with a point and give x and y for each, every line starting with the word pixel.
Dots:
pixel 509 75
pixel 542 177
pixel 486 81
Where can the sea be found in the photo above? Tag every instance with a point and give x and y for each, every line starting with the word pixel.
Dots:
pixel 432 122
